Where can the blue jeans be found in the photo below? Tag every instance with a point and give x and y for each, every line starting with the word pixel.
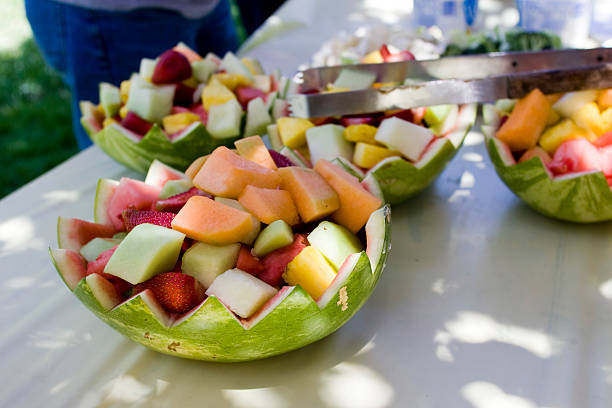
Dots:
pixel 91 46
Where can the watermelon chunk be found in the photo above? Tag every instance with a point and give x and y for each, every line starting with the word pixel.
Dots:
pixel 73 233
pixel 133 194
pixel 248 262
pixel 132 218
pixel 176 202
pixel 576 155
pixel 276 261
pixel 159 173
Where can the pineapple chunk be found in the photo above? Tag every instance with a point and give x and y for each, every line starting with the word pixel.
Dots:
pixel 604 100
pixel 293 131
pixel 191 82
pixel 124 90
pixel 367 155
pixel 589 118
pixel 360 133
pixel 553 117
pixel 310 270
pixel 179 121
pixel 123 111
pixel 565 130
pixel 108 122
pixel 373 58
pixel 215 93
pixel 572 101
pixel 232 81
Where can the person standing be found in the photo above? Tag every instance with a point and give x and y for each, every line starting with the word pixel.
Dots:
pixel 89 41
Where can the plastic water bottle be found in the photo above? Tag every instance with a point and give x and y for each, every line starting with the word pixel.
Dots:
pixel 446 14
pixel 570 19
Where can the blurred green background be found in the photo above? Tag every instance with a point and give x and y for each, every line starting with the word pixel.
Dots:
pixel 35 126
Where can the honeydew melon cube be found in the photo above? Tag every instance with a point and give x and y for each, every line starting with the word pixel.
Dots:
pixel 91 250
pixel 354 79
pixel 274 137
pixel 215 93
pixel 262 82
pixel 335 242
pixel 572 101
pixel 270 100
pixel 327 142
pixel 110 99
pixel 205 262
pixel 203 69
pixel 274 236
pixel 368 155
pixel 230 202
pixel 150 102
pixel 311 271
pixel 405 137
pixel 292 131
pixel 146 251
pixel 224 120
pixel 436 114
pixel 253 65
pixel 147 67
pixel 293 156
pixel 257 117
pixel 241 292
pixel 233 65
pixel 174 187
pixel 505 105
pixel 446 124
pixel 280 108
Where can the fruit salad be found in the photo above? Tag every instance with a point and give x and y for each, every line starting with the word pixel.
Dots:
pixel 555 151
pixel 243 256
pixel 180 106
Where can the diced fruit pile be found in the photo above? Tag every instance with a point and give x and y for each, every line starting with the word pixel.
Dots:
pixel 238 225
pixel 570 133
pixel 180 89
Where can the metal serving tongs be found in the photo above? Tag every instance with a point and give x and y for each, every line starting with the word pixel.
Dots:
pixel 462 79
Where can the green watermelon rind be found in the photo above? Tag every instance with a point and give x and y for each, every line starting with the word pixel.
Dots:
pixel 155 144
pixel 213 333
pixel 400 179
pixel 581 198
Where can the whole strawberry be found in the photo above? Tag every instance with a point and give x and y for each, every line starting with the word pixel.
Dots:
pixel 175 291
pixel 132 218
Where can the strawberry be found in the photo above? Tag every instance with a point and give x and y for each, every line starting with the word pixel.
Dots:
pixel 276 261
pixel 175 291
pixel 132 218
pixel 176 202
pixel 249 262
pixel 388 56
pixel 198 109
pixel 135 123
pixel 171 67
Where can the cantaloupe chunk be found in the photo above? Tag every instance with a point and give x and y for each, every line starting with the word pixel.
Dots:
pixel 226 174
pixel 209 221
pixel 269 205
pixel 292 131
pixel 554 136
pixel 604 100
pixel 356 203
pixel 313 197
pixel 254 149
pixel 310 270
pixel 195 166
pixel 215 93
pixel 526 122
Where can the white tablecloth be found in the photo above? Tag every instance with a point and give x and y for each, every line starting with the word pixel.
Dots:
pixel 484 303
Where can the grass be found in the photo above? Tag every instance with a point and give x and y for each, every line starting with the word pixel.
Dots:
pixel 35 120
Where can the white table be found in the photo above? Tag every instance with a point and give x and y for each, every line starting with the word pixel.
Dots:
pixel 484 303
